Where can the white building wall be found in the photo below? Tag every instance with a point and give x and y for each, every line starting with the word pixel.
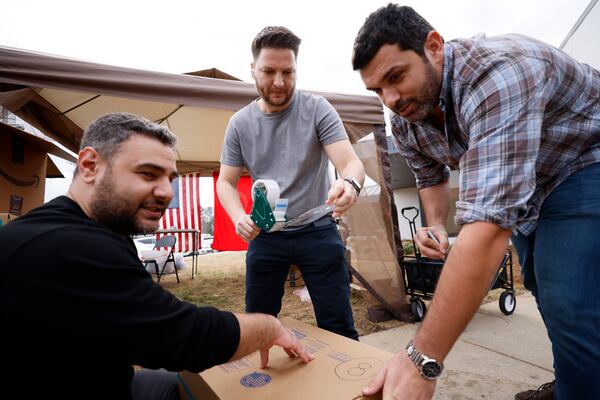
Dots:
pixel 583 42
pixel 409 197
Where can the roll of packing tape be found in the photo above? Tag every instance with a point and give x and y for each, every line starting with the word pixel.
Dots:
pixel 270 189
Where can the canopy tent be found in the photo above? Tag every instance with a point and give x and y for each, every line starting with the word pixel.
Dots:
pixel 60 96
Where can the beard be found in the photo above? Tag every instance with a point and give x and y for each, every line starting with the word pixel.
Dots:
pixel 112 209
pixel 265 95
pixel 424 104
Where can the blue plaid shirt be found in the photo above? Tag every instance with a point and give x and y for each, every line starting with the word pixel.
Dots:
pixel 520 117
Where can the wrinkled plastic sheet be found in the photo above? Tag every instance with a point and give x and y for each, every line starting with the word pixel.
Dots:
pixel 371 232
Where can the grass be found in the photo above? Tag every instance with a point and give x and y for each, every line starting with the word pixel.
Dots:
pixel 221 284
pixel 226 291
pixel 223 292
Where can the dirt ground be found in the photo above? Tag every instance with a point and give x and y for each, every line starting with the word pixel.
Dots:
pixel 220 283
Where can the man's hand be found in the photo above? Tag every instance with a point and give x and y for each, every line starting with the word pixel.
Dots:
pixel 285 339
pixel 343 195
pixel 400 380
pixel 245 228
pixel 261 332
pixel 428 247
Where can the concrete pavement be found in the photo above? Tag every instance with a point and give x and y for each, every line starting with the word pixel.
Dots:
pixel 496 357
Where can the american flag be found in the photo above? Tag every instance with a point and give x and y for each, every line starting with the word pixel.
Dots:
pixel 184 212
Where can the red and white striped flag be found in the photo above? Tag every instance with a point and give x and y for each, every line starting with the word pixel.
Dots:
pixel 184 212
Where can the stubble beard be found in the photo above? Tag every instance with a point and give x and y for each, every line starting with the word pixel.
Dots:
pixel 424 104
pixel 265 96
pixel 111 209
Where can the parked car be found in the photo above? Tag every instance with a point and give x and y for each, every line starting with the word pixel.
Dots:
pixel 206 240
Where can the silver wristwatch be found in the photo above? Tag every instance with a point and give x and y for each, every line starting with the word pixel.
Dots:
pixel 428 367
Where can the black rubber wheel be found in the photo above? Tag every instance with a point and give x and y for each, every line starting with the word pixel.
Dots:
pixel 417 307
pixel 507 302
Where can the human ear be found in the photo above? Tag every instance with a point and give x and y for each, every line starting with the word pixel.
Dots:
pixel 434 48
pixel 88 164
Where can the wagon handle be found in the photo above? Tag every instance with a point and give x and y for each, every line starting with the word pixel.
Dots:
pixel 416 210
pixel 413 227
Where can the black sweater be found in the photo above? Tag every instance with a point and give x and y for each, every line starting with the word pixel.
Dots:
pixel 77 310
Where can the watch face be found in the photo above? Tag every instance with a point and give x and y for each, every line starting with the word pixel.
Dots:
pixel 431 369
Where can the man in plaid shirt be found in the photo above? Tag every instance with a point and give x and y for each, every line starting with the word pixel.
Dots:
pixel 520 121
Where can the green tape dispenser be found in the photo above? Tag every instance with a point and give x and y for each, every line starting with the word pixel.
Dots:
pixel 268 211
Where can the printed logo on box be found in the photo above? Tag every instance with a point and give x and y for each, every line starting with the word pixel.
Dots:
pixel 299 335
pixel 255 379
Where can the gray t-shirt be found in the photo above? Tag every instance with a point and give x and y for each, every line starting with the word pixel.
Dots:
pixel 286 147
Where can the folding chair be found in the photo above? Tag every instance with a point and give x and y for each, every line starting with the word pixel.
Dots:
pixel 168 242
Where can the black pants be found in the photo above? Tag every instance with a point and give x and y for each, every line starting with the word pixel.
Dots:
pixel 318 252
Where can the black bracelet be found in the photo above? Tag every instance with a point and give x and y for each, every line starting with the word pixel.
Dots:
pixel 354 185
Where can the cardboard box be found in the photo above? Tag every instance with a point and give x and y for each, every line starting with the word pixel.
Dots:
pixel 5 218
pixel 22 171
pixel 24 167
pixel 341 368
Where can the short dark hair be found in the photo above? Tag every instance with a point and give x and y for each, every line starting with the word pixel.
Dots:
pixel 392 24
pixel 107 133
pixel 275 37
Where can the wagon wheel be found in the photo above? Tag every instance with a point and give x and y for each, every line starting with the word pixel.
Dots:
pixel 417 306
pixel 507 302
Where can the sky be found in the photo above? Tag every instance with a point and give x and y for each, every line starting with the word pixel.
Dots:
pixel 183 36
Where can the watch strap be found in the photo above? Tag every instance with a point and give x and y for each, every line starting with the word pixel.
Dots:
pixel 419 359
pixel 354 184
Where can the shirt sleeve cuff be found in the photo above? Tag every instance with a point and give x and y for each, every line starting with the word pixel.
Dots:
pixel 232 339
pixel 467 213
pixel 425 182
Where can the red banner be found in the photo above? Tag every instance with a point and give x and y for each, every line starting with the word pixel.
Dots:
pixel 224 235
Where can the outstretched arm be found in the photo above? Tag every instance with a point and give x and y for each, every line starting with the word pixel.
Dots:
pixel 464 281
pixel 261 332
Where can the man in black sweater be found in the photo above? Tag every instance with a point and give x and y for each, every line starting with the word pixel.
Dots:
pixel 77 308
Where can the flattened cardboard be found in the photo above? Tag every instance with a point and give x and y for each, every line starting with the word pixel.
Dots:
pixel 341 368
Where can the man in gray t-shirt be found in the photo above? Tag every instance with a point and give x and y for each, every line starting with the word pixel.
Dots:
pixel 289 137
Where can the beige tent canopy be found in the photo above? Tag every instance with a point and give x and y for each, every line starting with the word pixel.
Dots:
pixel 61 96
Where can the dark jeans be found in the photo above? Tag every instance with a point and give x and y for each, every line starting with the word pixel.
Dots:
pixel 320 255
pixel 149 384
pixel 560 265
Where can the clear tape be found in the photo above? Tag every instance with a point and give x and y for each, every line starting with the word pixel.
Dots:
pixel 271 190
